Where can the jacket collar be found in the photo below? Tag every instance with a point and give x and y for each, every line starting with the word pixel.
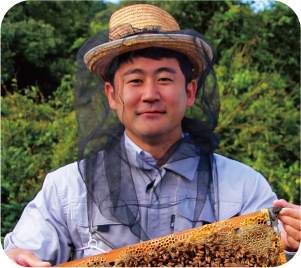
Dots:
pixel 184 161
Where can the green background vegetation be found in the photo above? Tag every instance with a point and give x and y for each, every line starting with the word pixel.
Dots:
pixel 258 70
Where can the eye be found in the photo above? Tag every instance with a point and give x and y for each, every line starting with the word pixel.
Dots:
pixel 135 81
pixel 165 79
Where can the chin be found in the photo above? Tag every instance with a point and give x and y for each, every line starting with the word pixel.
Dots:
pixel 158 136
pixel 152 134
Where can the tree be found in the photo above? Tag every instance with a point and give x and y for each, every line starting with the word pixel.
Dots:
pixel 40 40
pixel 37 137
pixel 259 122
pixel 272 35
pixel 102 18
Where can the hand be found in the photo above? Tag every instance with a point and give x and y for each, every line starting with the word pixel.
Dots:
pixel 290 216
pixel 26 258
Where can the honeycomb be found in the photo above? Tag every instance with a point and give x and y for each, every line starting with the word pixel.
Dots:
pixel 252 243
pixel 94 261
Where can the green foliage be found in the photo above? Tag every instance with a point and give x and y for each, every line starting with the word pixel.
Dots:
pixel 259 123
pixel 34 39
pixel 102 18
pixel 272 36
pixel 37 137
pixel 40 40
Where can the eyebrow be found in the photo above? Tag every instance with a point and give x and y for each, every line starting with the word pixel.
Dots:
pixel 166 69
pixel 133 71
pixel 160 70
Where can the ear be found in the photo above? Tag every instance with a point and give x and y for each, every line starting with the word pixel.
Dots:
pixel 191 91
pixel 111 95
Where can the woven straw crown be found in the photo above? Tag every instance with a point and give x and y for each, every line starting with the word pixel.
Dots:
pixel 127 33
pixel 140 17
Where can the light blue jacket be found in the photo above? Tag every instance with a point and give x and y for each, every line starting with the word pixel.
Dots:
pixel 57 217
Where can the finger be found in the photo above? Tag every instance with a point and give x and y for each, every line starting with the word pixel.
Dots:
pixel 289 212
pixel 35 262
pixel 283 203
pixel 43 264
pixel 291 232
pixel 293 237
pixel 294 223
pixel 16 258
pixel 27 258
pixel 31 263
pixel 285 243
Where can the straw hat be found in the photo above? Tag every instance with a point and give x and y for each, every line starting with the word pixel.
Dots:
pixel 131 28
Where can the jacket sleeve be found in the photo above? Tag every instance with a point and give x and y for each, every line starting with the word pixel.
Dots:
pixel 258 194
pixel 42 228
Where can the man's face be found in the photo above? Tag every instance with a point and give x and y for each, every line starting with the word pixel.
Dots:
pixel 151 99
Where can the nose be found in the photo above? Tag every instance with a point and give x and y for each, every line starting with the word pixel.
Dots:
pixel 150 93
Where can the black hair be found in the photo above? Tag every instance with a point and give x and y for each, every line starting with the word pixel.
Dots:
pixel 155 53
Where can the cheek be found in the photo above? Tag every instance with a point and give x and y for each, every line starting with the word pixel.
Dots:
pixel 127 101
pixel 131 96
pixel 178 100
pixel 179 106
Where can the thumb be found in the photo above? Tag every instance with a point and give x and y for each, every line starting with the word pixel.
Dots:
pixel 283 203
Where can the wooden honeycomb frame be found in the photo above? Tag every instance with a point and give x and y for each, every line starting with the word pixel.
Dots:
pixel 241 241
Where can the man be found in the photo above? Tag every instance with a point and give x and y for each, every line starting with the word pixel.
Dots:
pixel 153 173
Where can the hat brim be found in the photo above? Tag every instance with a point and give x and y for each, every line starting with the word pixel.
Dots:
pixel 100 56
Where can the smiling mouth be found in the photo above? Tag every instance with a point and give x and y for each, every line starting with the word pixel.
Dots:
pixel 151 113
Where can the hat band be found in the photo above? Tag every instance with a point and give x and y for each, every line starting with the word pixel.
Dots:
pixel 126 30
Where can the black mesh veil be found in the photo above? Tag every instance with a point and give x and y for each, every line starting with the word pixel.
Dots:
pixel 102 156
